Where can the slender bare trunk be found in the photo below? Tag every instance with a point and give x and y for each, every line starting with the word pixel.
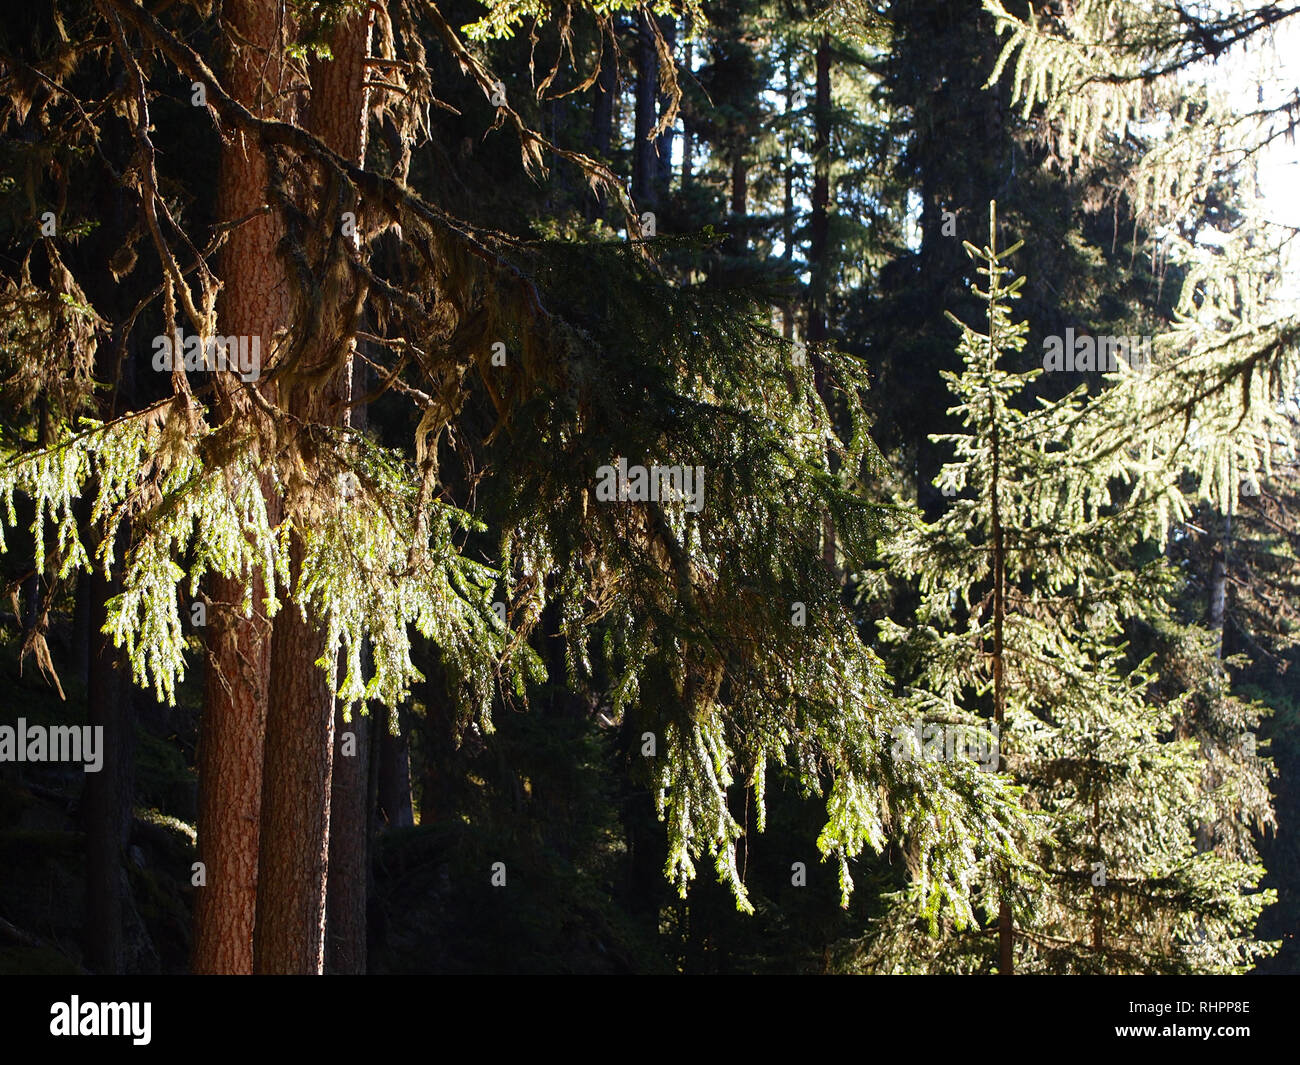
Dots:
pixel 603 107
pixel 352 808
pixel 647 95
pixel 664 142
pixel 1219 587
pixel 107 796
pixel 688 124
pixel 1006 932
pixel 818 249
pixel 394 783
pixel 787 205
pixel 819 223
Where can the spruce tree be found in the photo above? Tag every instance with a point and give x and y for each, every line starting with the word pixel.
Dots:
pixel 1025 580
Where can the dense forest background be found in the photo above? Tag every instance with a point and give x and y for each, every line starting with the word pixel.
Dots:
pixel 389 685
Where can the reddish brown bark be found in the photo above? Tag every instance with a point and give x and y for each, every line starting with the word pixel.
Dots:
pixel 230 781
pixel 290 933
pixel 299 760
pixel 255 301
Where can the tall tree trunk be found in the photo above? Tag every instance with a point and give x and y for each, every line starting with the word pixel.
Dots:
pixel 603 108
pixel 231 738
pixel 1098 923
pixel 394 783
pixel 739 207
pixel 664 142
pixel 818 239
pixel 819 225
pixel 290 933
pixel 299 760
pixel 787 205
pixel 688 125
pixel 1218 605
pixel 351 813
pixel 83 636
pixel 107 797
pixel 254 302
pixel 1006 933
pixel 647 96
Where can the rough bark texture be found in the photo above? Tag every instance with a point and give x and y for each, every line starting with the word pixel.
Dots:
pixel 290 935
pixel 295 843
pixel 255 302
pixel 349 850
pixel 230 779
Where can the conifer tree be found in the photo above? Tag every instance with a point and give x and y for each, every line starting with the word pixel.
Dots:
pixel 1025 580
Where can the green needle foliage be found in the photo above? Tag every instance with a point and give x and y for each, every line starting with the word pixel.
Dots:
pixel 678 659
pixel 692 611
pixel 1112 71
pixel 1025 581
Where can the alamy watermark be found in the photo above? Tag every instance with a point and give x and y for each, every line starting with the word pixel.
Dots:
pixel 77 1018
pixel 1101 354
pixel 237 354
pixel 660 484
pixel 931 742
pixel 53 743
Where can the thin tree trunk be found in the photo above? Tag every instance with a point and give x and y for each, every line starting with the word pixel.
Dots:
pixel 819 224
pixel 819 231
pixel 1218 606
pixel 254 302
pixel 602 110
pixel 351 813
pixel 394 783
pixel 739 196
pixel 787 212
pixel 647 95
pixel 107 796
pixel 1006 933
pixel 688 126
pixel 1097 916
pixel 83 637
pixel 664 142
